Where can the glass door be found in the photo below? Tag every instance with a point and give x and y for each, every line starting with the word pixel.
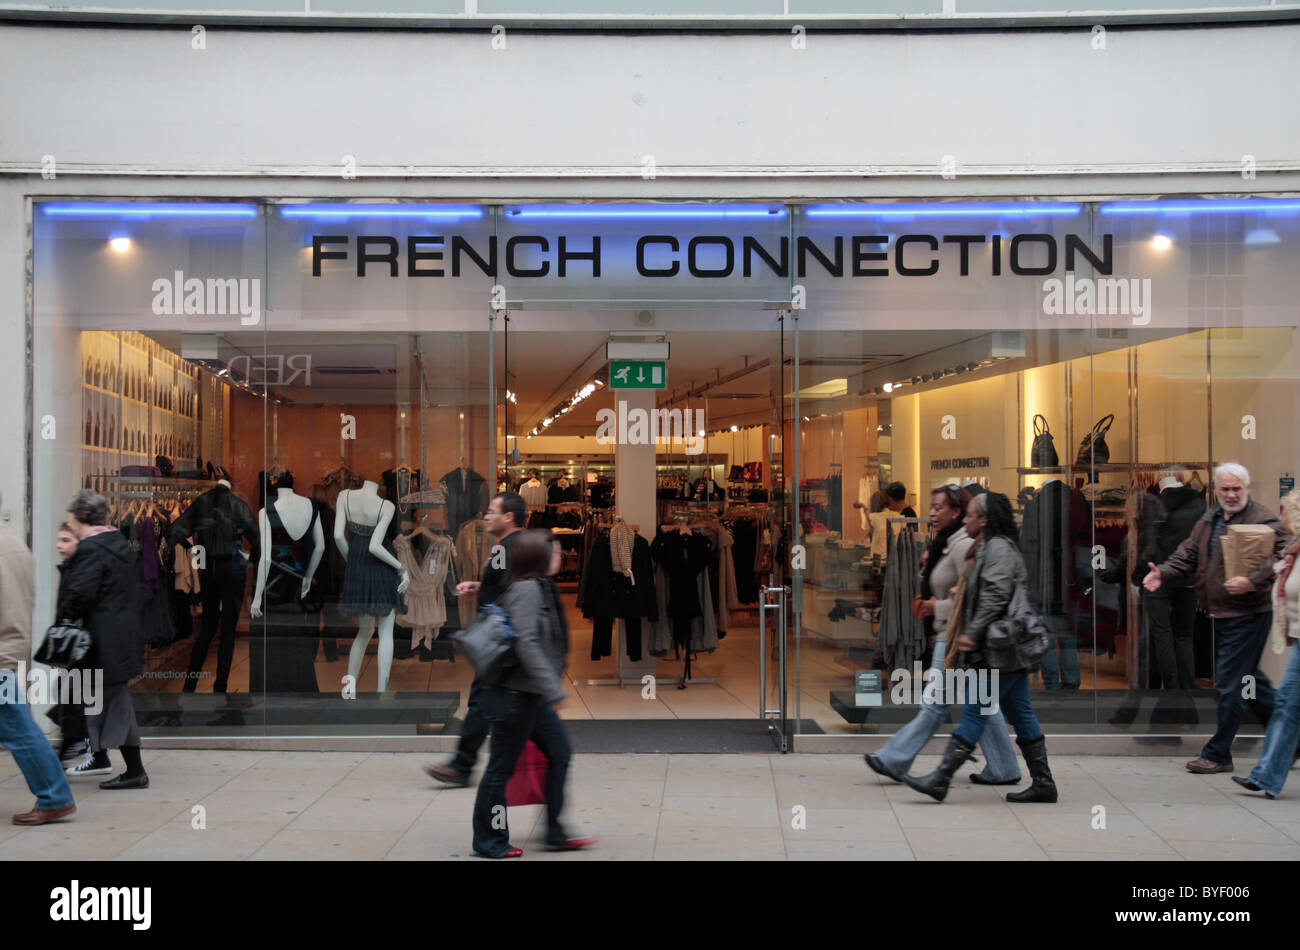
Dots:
pixel 779 601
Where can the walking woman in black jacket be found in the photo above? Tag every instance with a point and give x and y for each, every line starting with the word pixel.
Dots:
pixel 100 588
pixel 522 704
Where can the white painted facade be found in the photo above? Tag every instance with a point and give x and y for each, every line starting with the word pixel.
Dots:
pixel 1205 110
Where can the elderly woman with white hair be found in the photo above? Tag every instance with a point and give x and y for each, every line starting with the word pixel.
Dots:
pixel 1240 607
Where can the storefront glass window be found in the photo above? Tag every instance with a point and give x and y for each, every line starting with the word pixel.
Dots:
pixel 1091 361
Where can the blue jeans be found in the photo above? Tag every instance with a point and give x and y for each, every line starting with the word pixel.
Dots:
pixel 1238 645
pixel 1064 672
pixel 516 717
pixel 1283 731
pixel 31 750
pixel 1013 697
pixel 904 745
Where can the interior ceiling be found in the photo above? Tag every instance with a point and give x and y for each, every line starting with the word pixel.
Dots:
pixel 732 370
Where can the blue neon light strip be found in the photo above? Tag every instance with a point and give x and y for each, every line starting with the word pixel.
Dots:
pixel 943 210
pixel 344 211
pixel 1266 205
pixel 145 209
pixel 630 212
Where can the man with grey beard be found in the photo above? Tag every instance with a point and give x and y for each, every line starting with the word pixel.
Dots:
pixel 1240 607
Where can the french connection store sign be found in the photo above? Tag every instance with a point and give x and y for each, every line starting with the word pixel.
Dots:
pixel 213 265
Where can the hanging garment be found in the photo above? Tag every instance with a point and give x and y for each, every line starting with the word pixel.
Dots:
pixel 609 596
pixel 866 491
pixel 467 497
pixel 902 637
pixel 686 608
pixel 426 608
pixel 186 577
pixel 399 484
pixel 533 493
pixel 722 575
pixel 834 502
pixel 369 585
pixel 473 547
pixel 744 549
pixel 667 632
pixel 620 548
pixel 1056 521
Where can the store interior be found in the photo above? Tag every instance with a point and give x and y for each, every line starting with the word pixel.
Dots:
pixel 412 418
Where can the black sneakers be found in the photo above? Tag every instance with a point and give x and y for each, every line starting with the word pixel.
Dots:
pixel 91 765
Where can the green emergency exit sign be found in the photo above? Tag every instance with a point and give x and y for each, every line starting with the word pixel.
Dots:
pixel 638 374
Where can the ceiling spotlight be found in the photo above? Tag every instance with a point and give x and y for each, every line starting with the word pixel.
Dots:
pixel 735 428
pixel 120 244
pixel 889 387
pixel 1161 242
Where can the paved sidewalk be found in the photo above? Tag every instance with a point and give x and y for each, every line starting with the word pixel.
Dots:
pixel 345 805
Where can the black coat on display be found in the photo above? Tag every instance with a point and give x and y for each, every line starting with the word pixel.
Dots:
pixel 608 595
pixel 1056 519
pixel 466 497
pixel 1183 508
pixel 682 557
pixel 101 588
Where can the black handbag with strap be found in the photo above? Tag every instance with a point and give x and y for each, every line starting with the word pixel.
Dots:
pixel 1043 454
pixel 1093 450
pixel 65 645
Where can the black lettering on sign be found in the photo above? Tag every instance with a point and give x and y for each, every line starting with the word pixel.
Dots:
pixel 975 461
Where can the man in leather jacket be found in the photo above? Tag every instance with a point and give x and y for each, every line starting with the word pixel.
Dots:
pixel 1240 607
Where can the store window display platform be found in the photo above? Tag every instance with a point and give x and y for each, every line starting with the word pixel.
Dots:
pixel 1064 708
pixel 412 712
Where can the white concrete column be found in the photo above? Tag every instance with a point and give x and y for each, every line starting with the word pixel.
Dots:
pixel 634 502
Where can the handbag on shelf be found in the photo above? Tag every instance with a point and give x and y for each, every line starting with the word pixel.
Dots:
pixel 65 645
pixel 1093 450
pixel 1043 454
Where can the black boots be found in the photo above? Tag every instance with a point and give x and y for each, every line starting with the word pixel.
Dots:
pixel 1042 789
pixel 979 779
pixel 878 766
pixel 936 783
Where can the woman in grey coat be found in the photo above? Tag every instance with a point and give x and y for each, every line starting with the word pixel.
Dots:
pixel 944 563
pixel 522 704
pixel 985 598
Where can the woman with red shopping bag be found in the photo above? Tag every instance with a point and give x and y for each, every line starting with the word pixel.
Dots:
pixel 521 704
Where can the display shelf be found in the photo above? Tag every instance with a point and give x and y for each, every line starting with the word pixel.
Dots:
pixel 1111 467
pixel 139 401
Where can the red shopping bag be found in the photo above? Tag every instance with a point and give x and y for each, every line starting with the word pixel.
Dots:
pixel 528 785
